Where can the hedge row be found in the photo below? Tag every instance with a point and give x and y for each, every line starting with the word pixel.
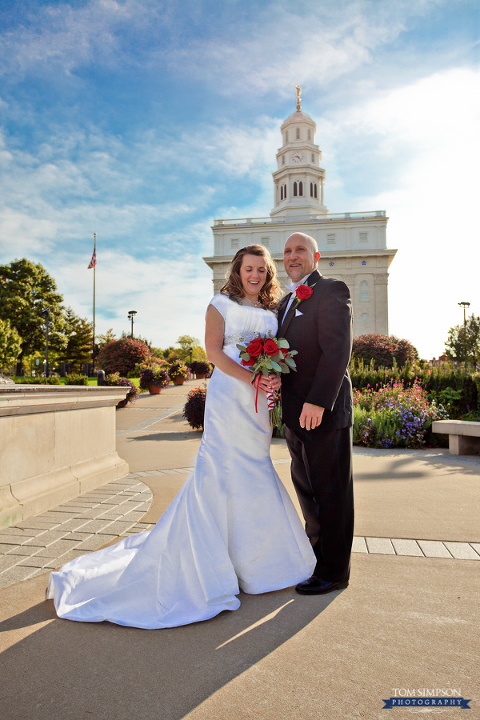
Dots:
pixel 458 391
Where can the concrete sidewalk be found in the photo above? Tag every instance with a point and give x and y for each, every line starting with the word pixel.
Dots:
pixel 407 621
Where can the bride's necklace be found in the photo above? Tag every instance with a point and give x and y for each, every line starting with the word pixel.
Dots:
pixel 250 303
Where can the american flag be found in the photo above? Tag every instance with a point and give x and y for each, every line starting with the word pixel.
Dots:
pixel 93 261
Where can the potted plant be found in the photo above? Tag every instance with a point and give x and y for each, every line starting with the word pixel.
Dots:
pixel 201 368
pixel 154 379
pixel 178 372
pixel 194 410
pixel 114 379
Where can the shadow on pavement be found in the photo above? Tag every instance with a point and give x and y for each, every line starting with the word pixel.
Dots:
pixel 71 670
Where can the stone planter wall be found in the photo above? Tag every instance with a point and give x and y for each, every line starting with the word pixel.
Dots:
pixel 56 442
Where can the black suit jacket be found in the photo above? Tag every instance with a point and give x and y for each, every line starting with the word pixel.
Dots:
pixel 322 334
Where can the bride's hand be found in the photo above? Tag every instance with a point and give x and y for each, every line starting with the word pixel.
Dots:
pixel 269 384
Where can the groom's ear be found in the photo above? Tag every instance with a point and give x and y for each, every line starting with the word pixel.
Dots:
pixel 317 257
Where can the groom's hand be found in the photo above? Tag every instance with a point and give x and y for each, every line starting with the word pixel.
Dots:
pixel 311 416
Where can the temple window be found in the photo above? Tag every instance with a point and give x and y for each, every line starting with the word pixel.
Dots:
pixel 364 291
pixel 331 239
pixel 363 237
pixel 297 133
pixel 300 188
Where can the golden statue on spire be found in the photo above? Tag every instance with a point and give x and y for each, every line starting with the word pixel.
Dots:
pixel 299 97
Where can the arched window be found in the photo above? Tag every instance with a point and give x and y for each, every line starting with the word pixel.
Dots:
pixel 297 133
pixel 294 189
pixel 364 291
pixel 281 192
pixel 283 159
pixel 311 189
pixel 300 188
pixel 315 190
pixel 284 192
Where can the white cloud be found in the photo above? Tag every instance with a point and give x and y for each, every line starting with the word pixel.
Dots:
pixel 170 292
pixel 314 44
pixel 427 134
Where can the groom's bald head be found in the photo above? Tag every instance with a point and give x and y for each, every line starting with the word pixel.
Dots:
pixel 300 255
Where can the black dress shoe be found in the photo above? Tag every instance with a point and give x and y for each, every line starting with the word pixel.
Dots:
pixel 316 586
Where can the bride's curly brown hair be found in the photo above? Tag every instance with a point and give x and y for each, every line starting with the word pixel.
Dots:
pixel 269 293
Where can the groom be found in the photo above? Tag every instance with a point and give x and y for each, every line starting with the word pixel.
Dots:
pixel 318 410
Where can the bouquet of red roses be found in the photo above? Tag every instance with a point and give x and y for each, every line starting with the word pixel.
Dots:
pixel 265 355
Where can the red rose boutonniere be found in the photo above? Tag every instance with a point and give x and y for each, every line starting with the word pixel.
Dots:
pixel 303 292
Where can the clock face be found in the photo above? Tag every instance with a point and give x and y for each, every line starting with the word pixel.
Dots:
pixel 297 157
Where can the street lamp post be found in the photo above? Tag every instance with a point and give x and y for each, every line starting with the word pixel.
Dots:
pixel 47 317
pixel 465 305
pixel 131 315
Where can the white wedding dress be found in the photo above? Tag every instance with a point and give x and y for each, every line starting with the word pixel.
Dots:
pixel 231 527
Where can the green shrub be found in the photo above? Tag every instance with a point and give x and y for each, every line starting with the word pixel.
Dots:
pixel 76 379
pixel 38 381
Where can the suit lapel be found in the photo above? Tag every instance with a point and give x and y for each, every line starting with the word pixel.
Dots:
pixel 287 319
pixel 311 281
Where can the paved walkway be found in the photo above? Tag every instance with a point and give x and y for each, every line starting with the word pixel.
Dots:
pixel 406 621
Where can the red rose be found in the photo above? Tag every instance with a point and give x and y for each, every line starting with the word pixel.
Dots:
pixel 285 351
pixel 255 347
pixel 271 347
pixel 249 363
pixel 304 292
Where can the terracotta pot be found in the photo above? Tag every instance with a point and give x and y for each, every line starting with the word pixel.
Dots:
pixel 200 376
pixel 154 389
pixel 178 380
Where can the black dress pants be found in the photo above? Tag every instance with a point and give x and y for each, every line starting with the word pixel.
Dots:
pixel 322 475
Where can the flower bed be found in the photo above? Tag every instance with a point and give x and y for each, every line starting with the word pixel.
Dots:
pixel 395 416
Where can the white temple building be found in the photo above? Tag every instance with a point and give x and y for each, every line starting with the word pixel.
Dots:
pixel 353 246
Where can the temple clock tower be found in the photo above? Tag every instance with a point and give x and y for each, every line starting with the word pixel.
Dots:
pixel 353 245
pixel 299 179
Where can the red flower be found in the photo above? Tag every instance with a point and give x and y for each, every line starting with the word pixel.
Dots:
pixel 249 363
pixel 285 351
pixel 270 347
pixel 255 347
pixel 304 292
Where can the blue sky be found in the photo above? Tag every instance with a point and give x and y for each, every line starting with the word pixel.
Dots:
pixel 143 120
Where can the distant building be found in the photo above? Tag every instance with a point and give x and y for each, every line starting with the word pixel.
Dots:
pixel 353 246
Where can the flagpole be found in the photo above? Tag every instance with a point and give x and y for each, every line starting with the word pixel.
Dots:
pixel 94 267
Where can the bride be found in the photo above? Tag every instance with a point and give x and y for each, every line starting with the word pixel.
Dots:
pixel 232 526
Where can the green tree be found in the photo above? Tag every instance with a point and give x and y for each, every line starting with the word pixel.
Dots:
pixel 463 342
pixel 383 350
pixel 79 340
pixel 186 342
pixel 105 338
pixel 26 289
pixel 10 344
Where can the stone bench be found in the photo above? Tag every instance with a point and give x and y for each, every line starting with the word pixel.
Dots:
pixel 463 435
